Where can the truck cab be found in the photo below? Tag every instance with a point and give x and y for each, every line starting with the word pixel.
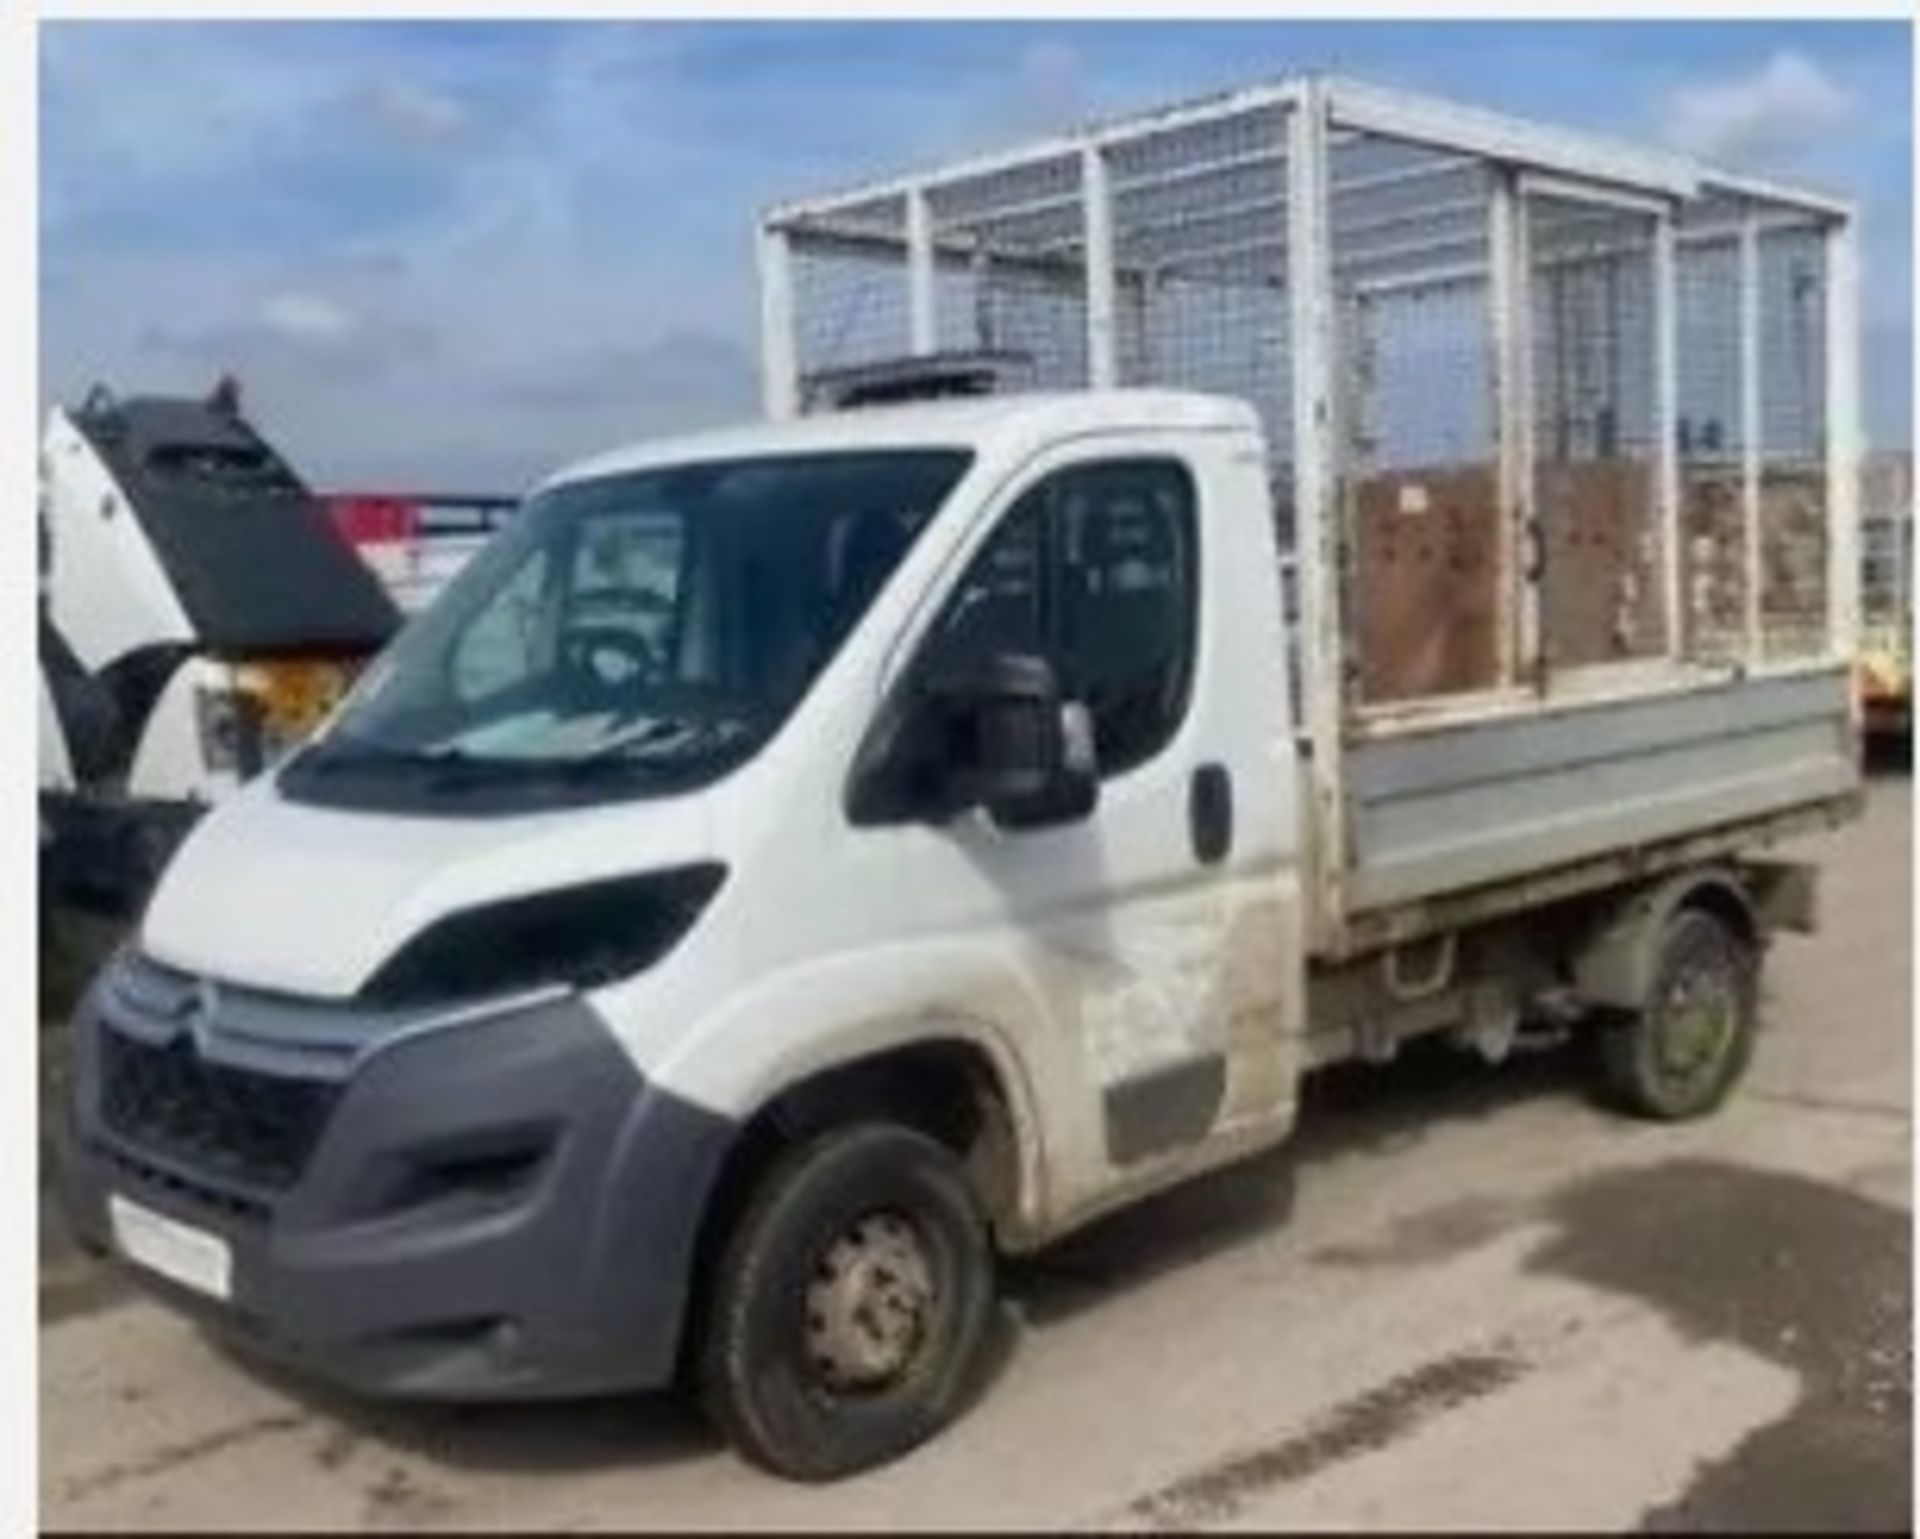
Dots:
pixel 733 778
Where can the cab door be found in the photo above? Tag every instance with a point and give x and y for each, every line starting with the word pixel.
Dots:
pixel 1148 940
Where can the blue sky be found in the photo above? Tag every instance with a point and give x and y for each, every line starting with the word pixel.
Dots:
pixel 455 254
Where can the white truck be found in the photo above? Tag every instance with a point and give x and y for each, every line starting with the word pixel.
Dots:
pixel 791 865
pixel 197 616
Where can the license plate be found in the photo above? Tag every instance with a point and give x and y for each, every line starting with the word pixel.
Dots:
pixel 189 1256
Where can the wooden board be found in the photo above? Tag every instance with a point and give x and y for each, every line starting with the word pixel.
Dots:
pixel 1713 562
pixel 1600 595
pixel 1427 582
pixel 1793 559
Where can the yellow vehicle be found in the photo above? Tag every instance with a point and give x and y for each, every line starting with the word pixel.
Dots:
pixel 1885 671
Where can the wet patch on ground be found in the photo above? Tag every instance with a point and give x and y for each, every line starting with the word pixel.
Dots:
pixel 1362 1425
pixel 1429 1236
pixel 1810 1276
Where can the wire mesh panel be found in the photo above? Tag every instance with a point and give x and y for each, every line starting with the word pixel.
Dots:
pixel 1709 433
pixel 1590 287
pixel 1199 220
pixel 1793 442
pixel 1012 274
pixel 1039 315
pixel 850 287
pixel 1415 389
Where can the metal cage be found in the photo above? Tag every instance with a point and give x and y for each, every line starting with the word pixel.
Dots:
pixel 1547 413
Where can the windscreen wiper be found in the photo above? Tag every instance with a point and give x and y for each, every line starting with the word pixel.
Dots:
pixel 664 745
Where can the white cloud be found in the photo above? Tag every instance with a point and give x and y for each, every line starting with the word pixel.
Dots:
pixel 306 317
pixel 1782 110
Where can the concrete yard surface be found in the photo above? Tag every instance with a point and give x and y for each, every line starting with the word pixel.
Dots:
pixel 1462 1297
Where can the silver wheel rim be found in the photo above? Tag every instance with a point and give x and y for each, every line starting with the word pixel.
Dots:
pixel 869 1304
pixel 1702 1011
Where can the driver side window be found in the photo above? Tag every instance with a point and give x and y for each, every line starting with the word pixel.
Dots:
pixel 999 606
pixel 1095 569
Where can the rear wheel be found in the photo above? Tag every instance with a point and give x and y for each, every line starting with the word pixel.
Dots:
pixel 1686 1048
pixel 850 1306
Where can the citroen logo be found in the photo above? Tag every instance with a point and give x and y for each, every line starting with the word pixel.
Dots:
pixel 197 1011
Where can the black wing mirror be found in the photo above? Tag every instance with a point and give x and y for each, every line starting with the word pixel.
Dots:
pixel 1010 744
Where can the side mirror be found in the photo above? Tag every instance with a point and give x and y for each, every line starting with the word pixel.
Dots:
pixel 1009 744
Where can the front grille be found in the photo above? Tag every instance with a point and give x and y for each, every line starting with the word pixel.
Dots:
pixel 139 1173
pixel 234 1124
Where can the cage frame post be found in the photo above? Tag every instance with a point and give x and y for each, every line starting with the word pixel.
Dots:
pixel 1666 409
pixel 779 356
pixel 1320 549
pixel 1845 447
pixel 1096 212
pixel 1751 403
pixel 923 336
pixel 1519 614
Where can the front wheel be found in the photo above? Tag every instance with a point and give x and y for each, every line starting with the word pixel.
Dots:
pixel 850 1306
pixel 1686 1048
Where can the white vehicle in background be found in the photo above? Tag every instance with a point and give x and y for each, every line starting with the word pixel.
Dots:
pixel 198 615
pixel 791 865
pixel 415 542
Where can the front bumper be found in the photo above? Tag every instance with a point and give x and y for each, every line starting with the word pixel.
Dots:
pixel 495 1207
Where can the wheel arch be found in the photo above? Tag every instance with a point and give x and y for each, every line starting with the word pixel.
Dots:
pixel 1615 962
pixel 946 1078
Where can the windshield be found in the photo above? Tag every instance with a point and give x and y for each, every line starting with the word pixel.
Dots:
pixel 631 634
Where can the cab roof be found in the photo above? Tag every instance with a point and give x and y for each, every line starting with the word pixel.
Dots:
pixel 999 424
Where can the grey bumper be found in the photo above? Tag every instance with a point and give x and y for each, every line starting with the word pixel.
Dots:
pixel 495 1208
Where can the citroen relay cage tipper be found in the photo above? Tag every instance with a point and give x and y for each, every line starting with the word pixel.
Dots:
pixel 1377 569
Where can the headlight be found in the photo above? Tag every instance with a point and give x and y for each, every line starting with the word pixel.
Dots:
pixel 271 708
pixel 291 696
pixel 582 936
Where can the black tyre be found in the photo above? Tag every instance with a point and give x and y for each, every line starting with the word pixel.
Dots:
pixel 850 1304
pixel 1688 1046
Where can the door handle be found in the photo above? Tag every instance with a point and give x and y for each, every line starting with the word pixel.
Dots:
pixel 1210 813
